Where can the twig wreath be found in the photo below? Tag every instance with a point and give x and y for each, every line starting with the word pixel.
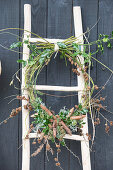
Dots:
pixel 46 123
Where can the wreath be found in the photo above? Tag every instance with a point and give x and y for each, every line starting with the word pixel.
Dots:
pixel 46 123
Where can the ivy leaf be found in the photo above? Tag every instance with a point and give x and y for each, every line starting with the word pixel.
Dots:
pixel 30 63
pixel 99 46
pixel 62 142
pixel 20 61
pixel 61 45
pixel 109 45
pixel 26 41
pixel 23 62
pixel 15 45
pixel 41 60
pixel 80 106
pixel 102 48
pixel 44 55
pixel 100 36
pixel 105 39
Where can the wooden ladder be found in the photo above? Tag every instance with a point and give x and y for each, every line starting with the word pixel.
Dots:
pixel 25 113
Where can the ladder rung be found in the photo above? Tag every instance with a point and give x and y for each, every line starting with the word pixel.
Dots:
pixel 43 40
pixel 57 88
pixel 73 137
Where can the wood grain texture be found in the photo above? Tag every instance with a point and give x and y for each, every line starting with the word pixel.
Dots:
pixel 58 88
pixel 85 151
pixel 38 18
pixel 53 19
pixel 59 26
pixel 9 17
pixel 25 112
pixel 89 18
pixel 104 144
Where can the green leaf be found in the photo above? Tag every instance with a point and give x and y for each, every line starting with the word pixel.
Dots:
pixel 85 110
pixel 20 61
pixel 24 63
pixel 75 46
pixel 33 54
pixel 61 45
pixel 26 41
pixel 74 123
pixel 100 36
pixel 75 54
pixel 80 106
pixel 63 142
pixel 99 46
pixel 39 93
pixel 41 60
pixel 109 45
pixel 15 45
pixel 62 55
pixel 106 39
pixel 102 49
pixel 45 55
pixel 85 55
pixel 30 63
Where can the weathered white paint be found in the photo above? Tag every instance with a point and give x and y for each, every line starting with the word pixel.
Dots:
pixel 72 137
pixel 57 88
pixel 81 83
pixel 25 113
pixel 45 40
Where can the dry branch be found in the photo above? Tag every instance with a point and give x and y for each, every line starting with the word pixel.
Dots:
pixel 38 150
pixel 54 117
pixel 47 111
pixel 54 132
pixel 77 117
pixel 70 112
pixel 66 128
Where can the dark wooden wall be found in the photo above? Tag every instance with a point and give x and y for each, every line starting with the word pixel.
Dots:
pixel 54 19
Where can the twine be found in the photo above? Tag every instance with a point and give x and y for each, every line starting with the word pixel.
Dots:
pixel 56 47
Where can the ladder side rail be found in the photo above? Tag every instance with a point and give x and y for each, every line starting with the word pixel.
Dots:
pixel 25 113
pixel 81 83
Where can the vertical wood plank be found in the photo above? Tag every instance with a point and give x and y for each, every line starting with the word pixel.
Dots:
pixel 89 11
pixel 59 26
pixel 104 142
pixel 9 17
